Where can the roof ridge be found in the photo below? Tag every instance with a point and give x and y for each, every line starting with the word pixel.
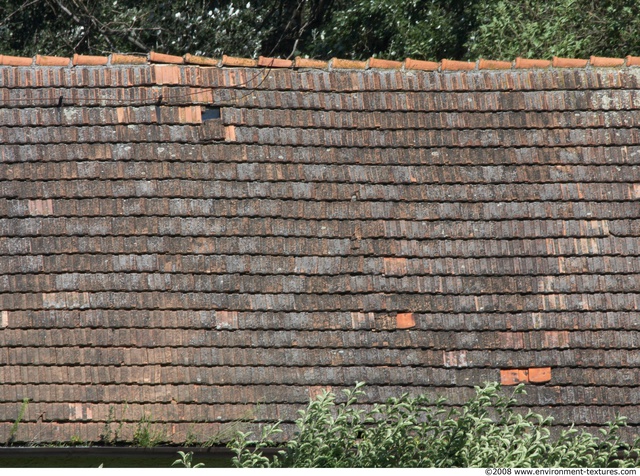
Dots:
pixel 409 64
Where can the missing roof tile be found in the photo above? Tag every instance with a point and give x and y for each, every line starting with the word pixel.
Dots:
pixel 210 113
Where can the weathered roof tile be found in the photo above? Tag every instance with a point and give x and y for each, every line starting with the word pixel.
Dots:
pixel 470 217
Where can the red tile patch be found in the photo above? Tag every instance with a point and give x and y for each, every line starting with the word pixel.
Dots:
pixel 226 319
pixel 530 375
pixel 540 375
pixel 405 320
pixel 230 133
pixel 395 266
pixel 166 74
pixel 40 207
pixel 514 376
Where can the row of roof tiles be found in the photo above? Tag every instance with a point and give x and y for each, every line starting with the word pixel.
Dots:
pixel 335 63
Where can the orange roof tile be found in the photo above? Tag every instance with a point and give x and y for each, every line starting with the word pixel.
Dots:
pixel 633 60
pixel 52 61
pixel 421 65
pixel 531 63
pixel 569 62
pixel 274 62
pixel 242 62
pixel 492 64
pixel 336 63
pixel 116 58
pixel 200 60
pixel 90 60
pixel 15 61
pixel 162 58
pixel 347 64
pixel 384 64
pixel 310 63
pixel 601 62
pixel 452 65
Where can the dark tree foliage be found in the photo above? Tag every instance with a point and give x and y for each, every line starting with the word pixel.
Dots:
pixel 242 28
pixel 357 29
pixel 541 29
pixel 395 29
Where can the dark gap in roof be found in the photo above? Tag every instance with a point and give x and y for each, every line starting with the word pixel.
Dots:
pixel 209 113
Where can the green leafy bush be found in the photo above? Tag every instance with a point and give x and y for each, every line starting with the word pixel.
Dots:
pixel 416 432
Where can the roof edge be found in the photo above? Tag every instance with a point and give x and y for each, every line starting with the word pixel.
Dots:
pixel 409 64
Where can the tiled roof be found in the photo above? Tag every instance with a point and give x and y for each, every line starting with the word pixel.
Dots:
pixel 185 237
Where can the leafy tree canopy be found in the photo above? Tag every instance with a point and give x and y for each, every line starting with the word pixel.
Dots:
pixel 357 29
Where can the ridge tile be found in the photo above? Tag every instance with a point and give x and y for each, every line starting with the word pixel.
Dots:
pixel 493 64
pixel 421 65
pixel 163 58
pixel 15 61
pixel 310 63
pixel 602 62
pixel 240 62
pixel 531 63
pixel 274 62
pixel 384 64
pixel 569 62
pixel 337 63
pixel 116 58
pixel 85 60
pixel 52 61
pixel 452 65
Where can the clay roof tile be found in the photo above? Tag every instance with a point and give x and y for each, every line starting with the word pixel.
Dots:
pixel 200 60
pixel 274 62
pixel 569 62
pixel 531 63
pixel 603 62
pixel 338 63
pixel 492 64
pixel 633 60
pixel 15 61
pixel 384 64
pixel 116 58
pixel 83 60
pixel 452 65
pixel 241 62
pixel 421 65
pixel 162 58
pixel 52 61
pixel 310 63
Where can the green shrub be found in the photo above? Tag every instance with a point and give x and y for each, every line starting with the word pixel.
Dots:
pixel 416 432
